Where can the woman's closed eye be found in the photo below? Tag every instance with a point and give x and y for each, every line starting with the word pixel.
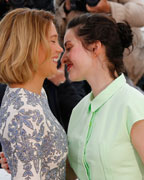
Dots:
pixel 53 41
pixel 68 48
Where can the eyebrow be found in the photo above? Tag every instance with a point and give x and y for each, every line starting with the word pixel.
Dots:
pixel 54 35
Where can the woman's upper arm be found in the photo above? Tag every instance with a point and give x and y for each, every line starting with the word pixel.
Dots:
pixel 27 131
pixel 137 137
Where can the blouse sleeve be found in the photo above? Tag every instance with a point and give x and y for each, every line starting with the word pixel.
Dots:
pixel 25 132
pixel 135 111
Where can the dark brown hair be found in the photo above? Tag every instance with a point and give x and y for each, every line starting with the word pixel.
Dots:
pixel 114 36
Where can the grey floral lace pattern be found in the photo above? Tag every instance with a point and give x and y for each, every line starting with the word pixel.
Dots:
pixel 33 141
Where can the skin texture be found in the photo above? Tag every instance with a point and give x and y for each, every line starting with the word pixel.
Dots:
pixel 77 63
pixel 137 137
pixel 3 162
pixel 49 66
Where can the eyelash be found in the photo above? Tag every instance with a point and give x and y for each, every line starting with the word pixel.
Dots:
pixel 68 49
pixel 53 41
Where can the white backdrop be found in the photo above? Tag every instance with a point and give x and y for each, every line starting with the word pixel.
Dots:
pixel 4 175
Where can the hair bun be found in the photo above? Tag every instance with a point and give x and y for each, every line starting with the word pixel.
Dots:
pixel 125 34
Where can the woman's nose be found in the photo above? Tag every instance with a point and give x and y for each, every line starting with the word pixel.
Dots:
pixel 63 58
pixel 60 49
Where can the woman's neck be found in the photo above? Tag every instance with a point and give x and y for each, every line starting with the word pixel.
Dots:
pixel 34 85
pixel 99 81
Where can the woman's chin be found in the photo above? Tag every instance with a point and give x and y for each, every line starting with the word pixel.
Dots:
pixel 74 78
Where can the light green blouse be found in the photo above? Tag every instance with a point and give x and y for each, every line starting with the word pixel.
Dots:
pixel 99 134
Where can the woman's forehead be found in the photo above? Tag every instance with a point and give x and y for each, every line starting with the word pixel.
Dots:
pixel 52 31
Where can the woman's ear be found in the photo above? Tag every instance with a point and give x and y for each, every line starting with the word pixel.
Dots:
pixel 96 47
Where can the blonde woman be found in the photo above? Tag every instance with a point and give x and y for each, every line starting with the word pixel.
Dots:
pixel 33 141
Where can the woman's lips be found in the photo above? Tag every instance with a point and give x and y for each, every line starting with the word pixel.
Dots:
pixel 69 67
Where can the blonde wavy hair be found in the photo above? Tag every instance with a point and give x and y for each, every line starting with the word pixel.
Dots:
pixel 21 32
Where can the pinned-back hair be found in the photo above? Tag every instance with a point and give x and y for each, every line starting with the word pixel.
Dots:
pixel 21 32
pixel 114 36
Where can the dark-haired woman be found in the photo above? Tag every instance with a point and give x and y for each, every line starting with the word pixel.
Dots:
pixel 106 128
pixel 131 11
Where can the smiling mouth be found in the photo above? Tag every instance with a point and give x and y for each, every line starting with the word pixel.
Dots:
pixel 55 60
pixel 69 67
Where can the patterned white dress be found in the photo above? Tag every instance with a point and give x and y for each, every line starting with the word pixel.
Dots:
pixel 33 141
